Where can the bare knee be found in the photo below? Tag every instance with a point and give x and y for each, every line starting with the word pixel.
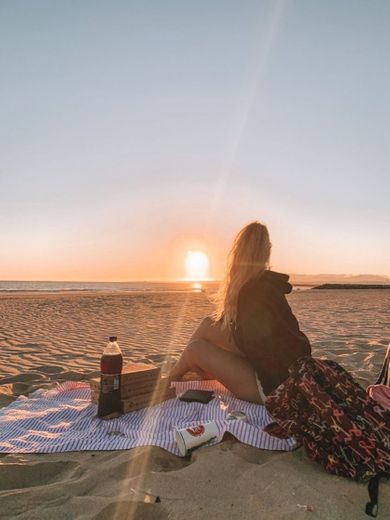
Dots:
pixel 202 330
pixel 195 347
pixel 198 352
pixel 206 323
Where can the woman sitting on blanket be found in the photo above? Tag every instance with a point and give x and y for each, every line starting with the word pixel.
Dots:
pixel 253 336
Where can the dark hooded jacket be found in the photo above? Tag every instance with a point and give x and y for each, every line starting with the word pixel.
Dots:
pixel 266 330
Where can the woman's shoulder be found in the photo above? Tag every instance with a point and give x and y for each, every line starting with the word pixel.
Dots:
pixel 268 281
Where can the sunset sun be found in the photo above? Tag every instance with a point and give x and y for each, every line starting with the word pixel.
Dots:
pixel 197 265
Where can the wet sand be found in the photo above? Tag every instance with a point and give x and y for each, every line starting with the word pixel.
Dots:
pixel 47 338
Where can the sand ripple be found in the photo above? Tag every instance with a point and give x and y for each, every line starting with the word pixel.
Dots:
pixel 56 337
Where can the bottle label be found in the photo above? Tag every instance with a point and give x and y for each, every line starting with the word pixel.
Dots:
pixel 109 383
pixel 116 382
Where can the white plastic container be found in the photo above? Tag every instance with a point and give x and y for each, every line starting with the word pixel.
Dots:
pixel 189 438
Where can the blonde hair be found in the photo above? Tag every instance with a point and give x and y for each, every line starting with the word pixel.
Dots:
pixel 248 257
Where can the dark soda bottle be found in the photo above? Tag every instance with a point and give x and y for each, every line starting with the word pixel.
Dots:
pixel 111 364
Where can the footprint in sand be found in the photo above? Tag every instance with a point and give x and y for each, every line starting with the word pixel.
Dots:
pixel 31 345
pixel 26 475
pixel 22 388
pixel 27 377
pixel 28 388
pixel 128 509
pixel 50 369
pixel 158 460
pixel 70 375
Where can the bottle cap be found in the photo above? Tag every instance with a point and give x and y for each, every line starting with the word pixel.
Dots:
pixel 113 338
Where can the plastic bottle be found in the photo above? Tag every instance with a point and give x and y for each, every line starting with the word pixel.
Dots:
pixel 111 364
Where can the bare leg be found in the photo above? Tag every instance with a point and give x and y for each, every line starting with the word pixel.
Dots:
pixel 233 371
pixel 212 332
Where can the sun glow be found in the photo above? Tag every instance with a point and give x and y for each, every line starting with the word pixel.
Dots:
pixel 197 265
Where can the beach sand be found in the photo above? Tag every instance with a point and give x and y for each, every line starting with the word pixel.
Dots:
pixel 47 338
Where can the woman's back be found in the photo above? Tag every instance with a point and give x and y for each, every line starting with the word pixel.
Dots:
pixel 266 330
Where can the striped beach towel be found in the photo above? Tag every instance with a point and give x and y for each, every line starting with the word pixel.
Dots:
pixel 64 419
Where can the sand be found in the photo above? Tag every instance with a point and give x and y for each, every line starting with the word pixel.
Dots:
pixel 45 338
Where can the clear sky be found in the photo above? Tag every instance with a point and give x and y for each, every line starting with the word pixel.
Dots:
pixel 133 131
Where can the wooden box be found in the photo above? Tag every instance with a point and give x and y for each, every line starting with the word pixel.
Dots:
pixel 136 378
pixel 146 400
pixel 141 386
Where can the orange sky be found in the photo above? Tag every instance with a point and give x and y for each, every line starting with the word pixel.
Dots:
pixel 160 129
pixel 123 256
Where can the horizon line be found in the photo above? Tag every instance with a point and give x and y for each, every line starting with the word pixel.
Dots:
pixel 187 280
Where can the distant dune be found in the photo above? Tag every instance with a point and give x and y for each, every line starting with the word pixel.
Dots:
pixel 319 279
pixel 351 286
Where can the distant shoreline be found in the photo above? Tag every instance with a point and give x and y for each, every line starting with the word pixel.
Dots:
pixel 351 286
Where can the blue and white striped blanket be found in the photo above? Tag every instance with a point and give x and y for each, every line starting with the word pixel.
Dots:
pixel 64 419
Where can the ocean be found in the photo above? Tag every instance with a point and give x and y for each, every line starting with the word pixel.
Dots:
pixel 50 286
pixel 176 286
